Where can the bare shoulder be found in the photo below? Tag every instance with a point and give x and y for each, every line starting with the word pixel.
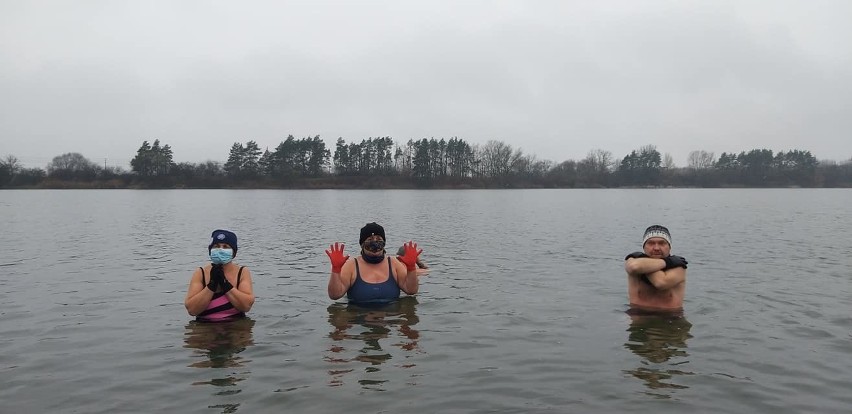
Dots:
pixel 348 266
pixel 347 272
pixel 196 273
pixel 399 266
pixel 195 279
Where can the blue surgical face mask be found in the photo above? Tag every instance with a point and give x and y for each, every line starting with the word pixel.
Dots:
pixel 221 256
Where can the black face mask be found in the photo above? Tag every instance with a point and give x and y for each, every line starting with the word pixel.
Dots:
pixel 373 251
pixel 374 246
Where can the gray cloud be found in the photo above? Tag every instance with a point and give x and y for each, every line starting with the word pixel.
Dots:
pixel 556 79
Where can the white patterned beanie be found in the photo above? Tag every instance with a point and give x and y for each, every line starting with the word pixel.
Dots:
pixel 657 231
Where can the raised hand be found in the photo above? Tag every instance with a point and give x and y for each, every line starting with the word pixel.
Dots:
pixel 335 254
pixel 675 261
pixel 410 256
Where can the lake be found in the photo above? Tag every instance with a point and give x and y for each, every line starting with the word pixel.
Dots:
pixel 523 311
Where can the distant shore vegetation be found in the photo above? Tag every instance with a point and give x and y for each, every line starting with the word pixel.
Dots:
pixel 306 163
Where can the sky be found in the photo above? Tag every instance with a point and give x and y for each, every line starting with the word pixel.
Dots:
pixel 554 79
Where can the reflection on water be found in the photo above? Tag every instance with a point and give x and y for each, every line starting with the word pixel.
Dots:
pixel 218 345
pixel 660 340
pixel 365 338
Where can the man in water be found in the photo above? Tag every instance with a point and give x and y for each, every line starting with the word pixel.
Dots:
pixel 374 277
pixel 655 278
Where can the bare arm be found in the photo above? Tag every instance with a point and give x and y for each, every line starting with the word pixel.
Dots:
pixel 242 296
pixel 643 265
pixel 406 279
pixel 653 270
pixel 667 279
pixel 197 296
pixel 339 283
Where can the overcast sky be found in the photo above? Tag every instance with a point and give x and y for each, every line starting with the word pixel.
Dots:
pixel 553 78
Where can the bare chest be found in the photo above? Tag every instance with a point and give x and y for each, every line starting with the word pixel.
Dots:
pixel 643 293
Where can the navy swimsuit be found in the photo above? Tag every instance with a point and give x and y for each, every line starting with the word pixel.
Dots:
pixel 364 292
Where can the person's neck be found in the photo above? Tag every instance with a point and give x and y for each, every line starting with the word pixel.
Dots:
pixel 373 260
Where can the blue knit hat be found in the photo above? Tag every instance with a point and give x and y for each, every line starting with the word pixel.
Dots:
pixel 223 236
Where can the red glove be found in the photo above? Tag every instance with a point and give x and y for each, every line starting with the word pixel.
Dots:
pixel 410 256
pixel 335 253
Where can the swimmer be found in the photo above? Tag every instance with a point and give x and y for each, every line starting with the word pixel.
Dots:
pixel 656 279
pixel 221 290
pixel 374 277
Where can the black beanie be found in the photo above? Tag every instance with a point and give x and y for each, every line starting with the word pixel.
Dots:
pixel 369 230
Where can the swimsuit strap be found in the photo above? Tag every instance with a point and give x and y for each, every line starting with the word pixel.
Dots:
pixel 239 275
pixel 357 270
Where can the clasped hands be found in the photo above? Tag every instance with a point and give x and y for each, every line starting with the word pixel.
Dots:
pixel 218 279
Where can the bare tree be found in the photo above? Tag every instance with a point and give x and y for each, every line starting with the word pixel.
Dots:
pixel 700 160
pixel 595 169
pixel 496 158
pixel 72 165
pixel 11 164
pixel 600 160
pixel 668 162
pixel 9 167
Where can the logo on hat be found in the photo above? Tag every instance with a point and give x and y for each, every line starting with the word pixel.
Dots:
pixel 223 236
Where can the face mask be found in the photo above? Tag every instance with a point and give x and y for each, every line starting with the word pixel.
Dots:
pixel 221 256
pixel 374 246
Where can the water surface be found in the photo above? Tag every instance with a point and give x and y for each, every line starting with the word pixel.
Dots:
pixel 523 310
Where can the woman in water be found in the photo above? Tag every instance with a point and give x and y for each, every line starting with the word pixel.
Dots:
pixel 221 290
pixel 374 277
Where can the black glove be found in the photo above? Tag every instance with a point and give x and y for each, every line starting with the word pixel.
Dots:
pixel 675 261
pixel 217 278
pixel 635 255
pixel 217 273
pixel 213 285
pixel 226 285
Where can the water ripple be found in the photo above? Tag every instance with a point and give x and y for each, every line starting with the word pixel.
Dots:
pixel 523 310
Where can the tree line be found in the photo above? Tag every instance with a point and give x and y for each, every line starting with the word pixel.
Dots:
pixel 428 163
